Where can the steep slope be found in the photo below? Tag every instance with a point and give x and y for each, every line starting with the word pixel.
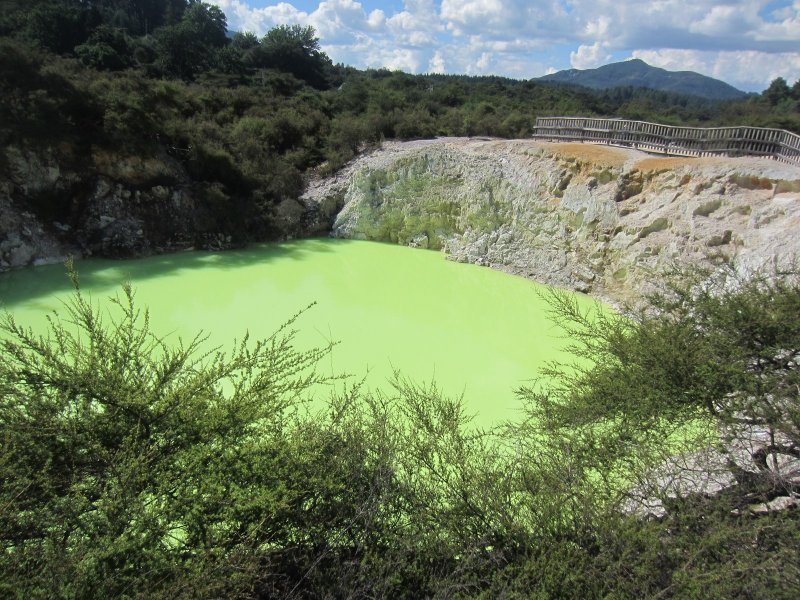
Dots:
pixel 113 205
pixel 637 73
pixel 603 220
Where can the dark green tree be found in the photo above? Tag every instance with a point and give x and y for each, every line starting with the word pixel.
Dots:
pixel 294 49
pixel 795 93
pixel 59 26
pixel 246 45
pixel 207 22
pixel 106 49
pixel 777 91
pixel 191 46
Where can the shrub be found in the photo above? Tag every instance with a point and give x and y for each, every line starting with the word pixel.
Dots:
pixel 133 466
pixel 106 49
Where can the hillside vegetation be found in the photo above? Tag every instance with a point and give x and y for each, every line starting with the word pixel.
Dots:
pixel 637 73
pixel 145 94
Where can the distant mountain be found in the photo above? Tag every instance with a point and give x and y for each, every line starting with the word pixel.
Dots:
pixel 637 73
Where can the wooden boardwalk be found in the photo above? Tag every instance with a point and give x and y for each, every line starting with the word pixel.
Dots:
pixel 674 141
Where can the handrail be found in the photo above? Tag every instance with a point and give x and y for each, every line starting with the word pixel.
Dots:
pixel 673 140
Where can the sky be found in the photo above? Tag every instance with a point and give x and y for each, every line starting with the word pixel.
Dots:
pixel 746 43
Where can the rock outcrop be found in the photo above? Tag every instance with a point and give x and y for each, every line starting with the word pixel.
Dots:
pixel 96 201
pixel 596 219
pixel 603 220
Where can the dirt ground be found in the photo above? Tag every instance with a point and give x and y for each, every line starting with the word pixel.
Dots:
pixel 601 155
pixel 662 164
pixel 630 159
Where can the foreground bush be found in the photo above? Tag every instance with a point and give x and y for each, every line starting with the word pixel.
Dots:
pixel 133 466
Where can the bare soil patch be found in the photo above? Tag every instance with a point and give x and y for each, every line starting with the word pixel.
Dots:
pixel 663 164
pixel 601 155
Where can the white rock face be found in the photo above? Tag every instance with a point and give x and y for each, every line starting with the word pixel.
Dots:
pixel 597 219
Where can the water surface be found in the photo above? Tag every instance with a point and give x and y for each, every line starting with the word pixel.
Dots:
pixel 474 330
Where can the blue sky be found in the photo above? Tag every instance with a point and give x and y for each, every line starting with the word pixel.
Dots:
pixel 744 42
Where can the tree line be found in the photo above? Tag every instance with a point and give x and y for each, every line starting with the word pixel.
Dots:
pixel 187 40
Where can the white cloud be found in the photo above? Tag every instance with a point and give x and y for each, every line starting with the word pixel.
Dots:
pixel 744 42
pixel 402 59
pixel 243 17
pixel 376 18
pixel 598 28
pixel 589 57
pixel 437 63
pixel 417 25
pixel 339 21
pixel 470 15
pixel 724 21
pixel 786 27
pixel 506 19
pixel 685 24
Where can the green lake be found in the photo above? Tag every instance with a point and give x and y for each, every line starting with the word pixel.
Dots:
pixel 473 330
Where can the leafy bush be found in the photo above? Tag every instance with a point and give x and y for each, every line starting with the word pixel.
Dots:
pixel 722 354
pixel 133 466
pixel 59 26
pixel 142 467
pixel 106 49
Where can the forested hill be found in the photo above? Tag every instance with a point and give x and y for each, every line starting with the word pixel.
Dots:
pixel 637 73
pixel 109 99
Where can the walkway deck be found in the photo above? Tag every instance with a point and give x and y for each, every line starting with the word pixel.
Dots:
pixel 674 141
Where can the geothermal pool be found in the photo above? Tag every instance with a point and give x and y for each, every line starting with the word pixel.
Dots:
pixel 473 330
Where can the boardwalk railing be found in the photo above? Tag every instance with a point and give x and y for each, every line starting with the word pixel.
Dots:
pixel 677 141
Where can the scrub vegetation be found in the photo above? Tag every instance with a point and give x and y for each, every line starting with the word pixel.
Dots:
pixel 137 466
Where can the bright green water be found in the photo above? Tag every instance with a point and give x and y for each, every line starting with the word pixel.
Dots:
pixel 474 330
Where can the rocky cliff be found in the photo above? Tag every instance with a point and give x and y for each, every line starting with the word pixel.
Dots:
pixel 56 201
pixel 597 219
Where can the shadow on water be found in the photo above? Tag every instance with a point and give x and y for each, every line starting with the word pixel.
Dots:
pixel 474 330
pixel 29 284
